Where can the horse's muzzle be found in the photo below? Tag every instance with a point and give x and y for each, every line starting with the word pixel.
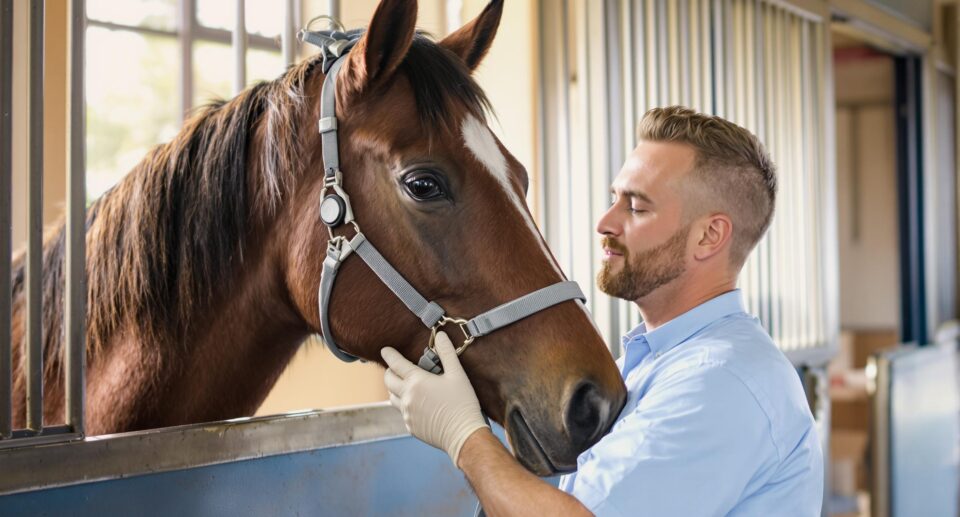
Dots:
pixel 588 415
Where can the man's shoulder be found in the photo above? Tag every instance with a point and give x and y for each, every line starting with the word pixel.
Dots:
pixel 738 347
pixel 736 343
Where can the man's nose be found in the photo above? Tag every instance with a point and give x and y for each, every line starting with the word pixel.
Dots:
pixel 609 223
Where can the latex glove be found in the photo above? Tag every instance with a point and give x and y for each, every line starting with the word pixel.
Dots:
pixel 442 410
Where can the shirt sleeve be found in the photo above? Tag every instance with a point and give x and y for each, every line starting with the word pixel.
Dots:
pixel 690 447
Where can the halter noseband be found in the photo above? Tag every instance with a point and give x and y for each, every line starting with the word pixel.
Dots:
pixel 336 211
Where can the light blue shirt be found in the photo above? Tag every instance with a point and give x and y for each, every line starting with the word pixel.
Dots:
pixel 716 423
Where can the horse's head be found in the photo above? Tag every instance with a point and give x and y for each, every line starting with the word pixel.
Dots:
pixel 443 200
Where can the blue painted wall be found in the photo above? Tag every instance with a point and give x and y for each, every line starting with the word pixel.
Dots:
pixel 398 477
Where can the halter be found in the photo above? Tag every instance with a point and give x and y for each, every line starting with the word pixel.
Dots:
pixel 336 211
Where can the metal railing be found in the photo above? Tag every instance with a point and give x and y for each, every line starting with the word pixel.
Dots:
pixel 34 430
pixel 74 339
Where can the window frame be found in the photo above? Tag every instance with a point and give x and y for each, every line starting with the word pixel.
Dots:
pixel 189 31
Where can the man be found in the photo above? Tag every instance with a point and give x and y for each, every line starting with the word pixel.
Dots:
pixel 716 421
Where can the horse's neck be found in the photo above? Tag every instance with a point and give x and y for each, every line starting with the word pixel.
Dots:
pixel 223 368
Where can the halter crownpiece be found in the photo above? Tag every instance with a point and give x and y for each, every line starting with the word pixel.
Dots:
pixel 336 211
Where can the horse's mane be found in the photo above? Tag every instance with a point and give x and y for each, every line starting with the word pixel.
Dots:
pixel 163 241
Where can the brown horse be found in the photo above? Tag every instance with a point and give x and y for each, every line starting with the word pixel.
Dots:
pixel 203 263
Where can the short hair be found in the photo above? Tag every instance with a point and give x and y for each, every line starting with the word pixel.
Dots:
pixel 732 170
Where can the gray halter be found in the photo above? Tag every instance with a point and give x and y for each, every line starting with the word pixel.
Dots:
pixel 335 211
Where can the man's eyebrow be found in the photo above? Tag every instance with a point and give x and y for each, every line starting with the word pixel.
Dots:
pixel 633 193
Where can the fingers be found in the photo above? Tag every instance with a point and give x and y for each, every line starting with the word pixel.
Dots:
pixel 397 362
pixel 447 353
pixel 393 382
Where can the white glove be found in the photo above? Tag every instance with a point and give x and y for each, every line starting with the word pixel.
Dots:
pixel 442 410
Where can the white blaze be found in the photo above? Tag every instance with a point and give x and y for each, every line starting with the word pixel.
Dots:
pixel 481 143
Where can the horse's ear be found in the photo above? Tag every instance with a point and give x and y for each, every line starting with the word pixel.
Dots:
pixel 384 45
pixel 472 41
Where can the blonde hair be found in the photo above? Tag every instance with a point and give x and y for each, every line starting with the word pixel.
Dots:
pixel 732 173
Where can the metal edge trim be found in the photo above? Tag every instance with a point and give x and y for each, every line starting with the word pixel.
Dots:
pixel 117 456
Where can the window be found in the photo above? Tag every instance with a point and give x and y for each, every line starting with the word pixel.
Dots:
pixel 150 63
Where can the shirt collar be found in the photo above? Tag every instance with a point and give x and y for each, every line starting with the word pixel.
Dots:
pixel 679 329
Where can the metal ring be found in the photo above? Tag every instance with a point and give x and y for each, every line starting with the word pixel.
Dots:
pixel 460 322
pixel 334 24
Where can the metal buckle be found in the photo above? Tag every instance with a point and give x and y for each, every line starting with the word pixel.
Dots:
pixel 462 323
pixel 333 181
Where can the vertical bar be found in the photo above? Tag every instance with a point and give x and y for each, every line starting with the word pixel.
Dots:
pixel 719 63
pixel 34 355
pixel 683 32
pixel 640 85
pixel 542 183
pixel 672 53
pixel 333 8
pixel 6 185
pixel 567 132
pixel 663 51
pixel 616 113
pixel 187 19
pixel 76 288
pixel 580 227
pixel 240 48
pixel 652 72
pixel 706 58
pixel 288 41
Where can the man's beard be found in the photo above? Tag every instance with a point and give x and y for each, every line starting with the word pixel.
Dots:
pixel 644 273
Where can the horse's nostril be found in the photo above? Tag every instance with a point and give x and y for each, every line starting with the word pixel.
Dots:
pixel 587 415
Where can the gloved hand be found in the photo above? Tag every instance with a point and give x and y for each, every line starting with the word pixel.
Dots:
pixel 442 410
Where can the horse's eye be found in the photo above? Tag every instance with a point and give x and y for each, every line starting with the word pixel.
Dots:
pixel 424 188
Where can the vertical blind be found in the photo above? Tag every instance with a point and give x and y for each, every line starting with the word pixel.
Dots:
pixel 759 63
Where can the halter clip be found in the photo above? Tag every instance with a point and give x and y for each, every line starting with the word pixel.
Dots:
pixel 460 322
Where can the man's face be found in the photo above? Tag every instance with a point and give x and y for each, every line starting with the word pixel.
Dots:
pixel 644 232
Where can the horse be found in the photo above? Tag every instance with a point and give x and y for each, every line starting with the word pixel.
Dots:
pixel 203 262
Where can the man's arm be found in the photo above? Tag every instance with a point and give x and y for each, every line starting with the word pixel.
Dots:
pixel 506 488
pixel 443 411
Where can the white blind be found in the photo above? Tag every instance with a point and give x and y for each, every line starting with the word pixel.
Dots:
pixel 757 63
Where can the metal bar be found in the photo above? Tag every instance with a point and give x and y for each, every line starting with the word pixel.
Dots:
pixel 240 48
pixel 288 41
pixel 189 446
pixel 34 334
pixel 567 131
pixel 333 8
pixel 878 384
pixel 718 63
pixel 135 28
pixel 584 74
pixel 541 177
pixel 29 437
pixel 615 114
pixel 684 52
pixel 6 185
pixel 663 52
pixel 76 288
pixel 187 21
pixel 256 41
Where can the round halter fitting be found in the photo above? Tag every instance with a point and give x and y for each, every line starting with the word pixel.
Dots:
pixel 333 210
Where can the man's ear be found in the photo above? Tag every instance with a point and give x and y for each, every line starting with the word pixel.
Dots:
pixel 472 41
pixel 716 234
pixel 383 46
